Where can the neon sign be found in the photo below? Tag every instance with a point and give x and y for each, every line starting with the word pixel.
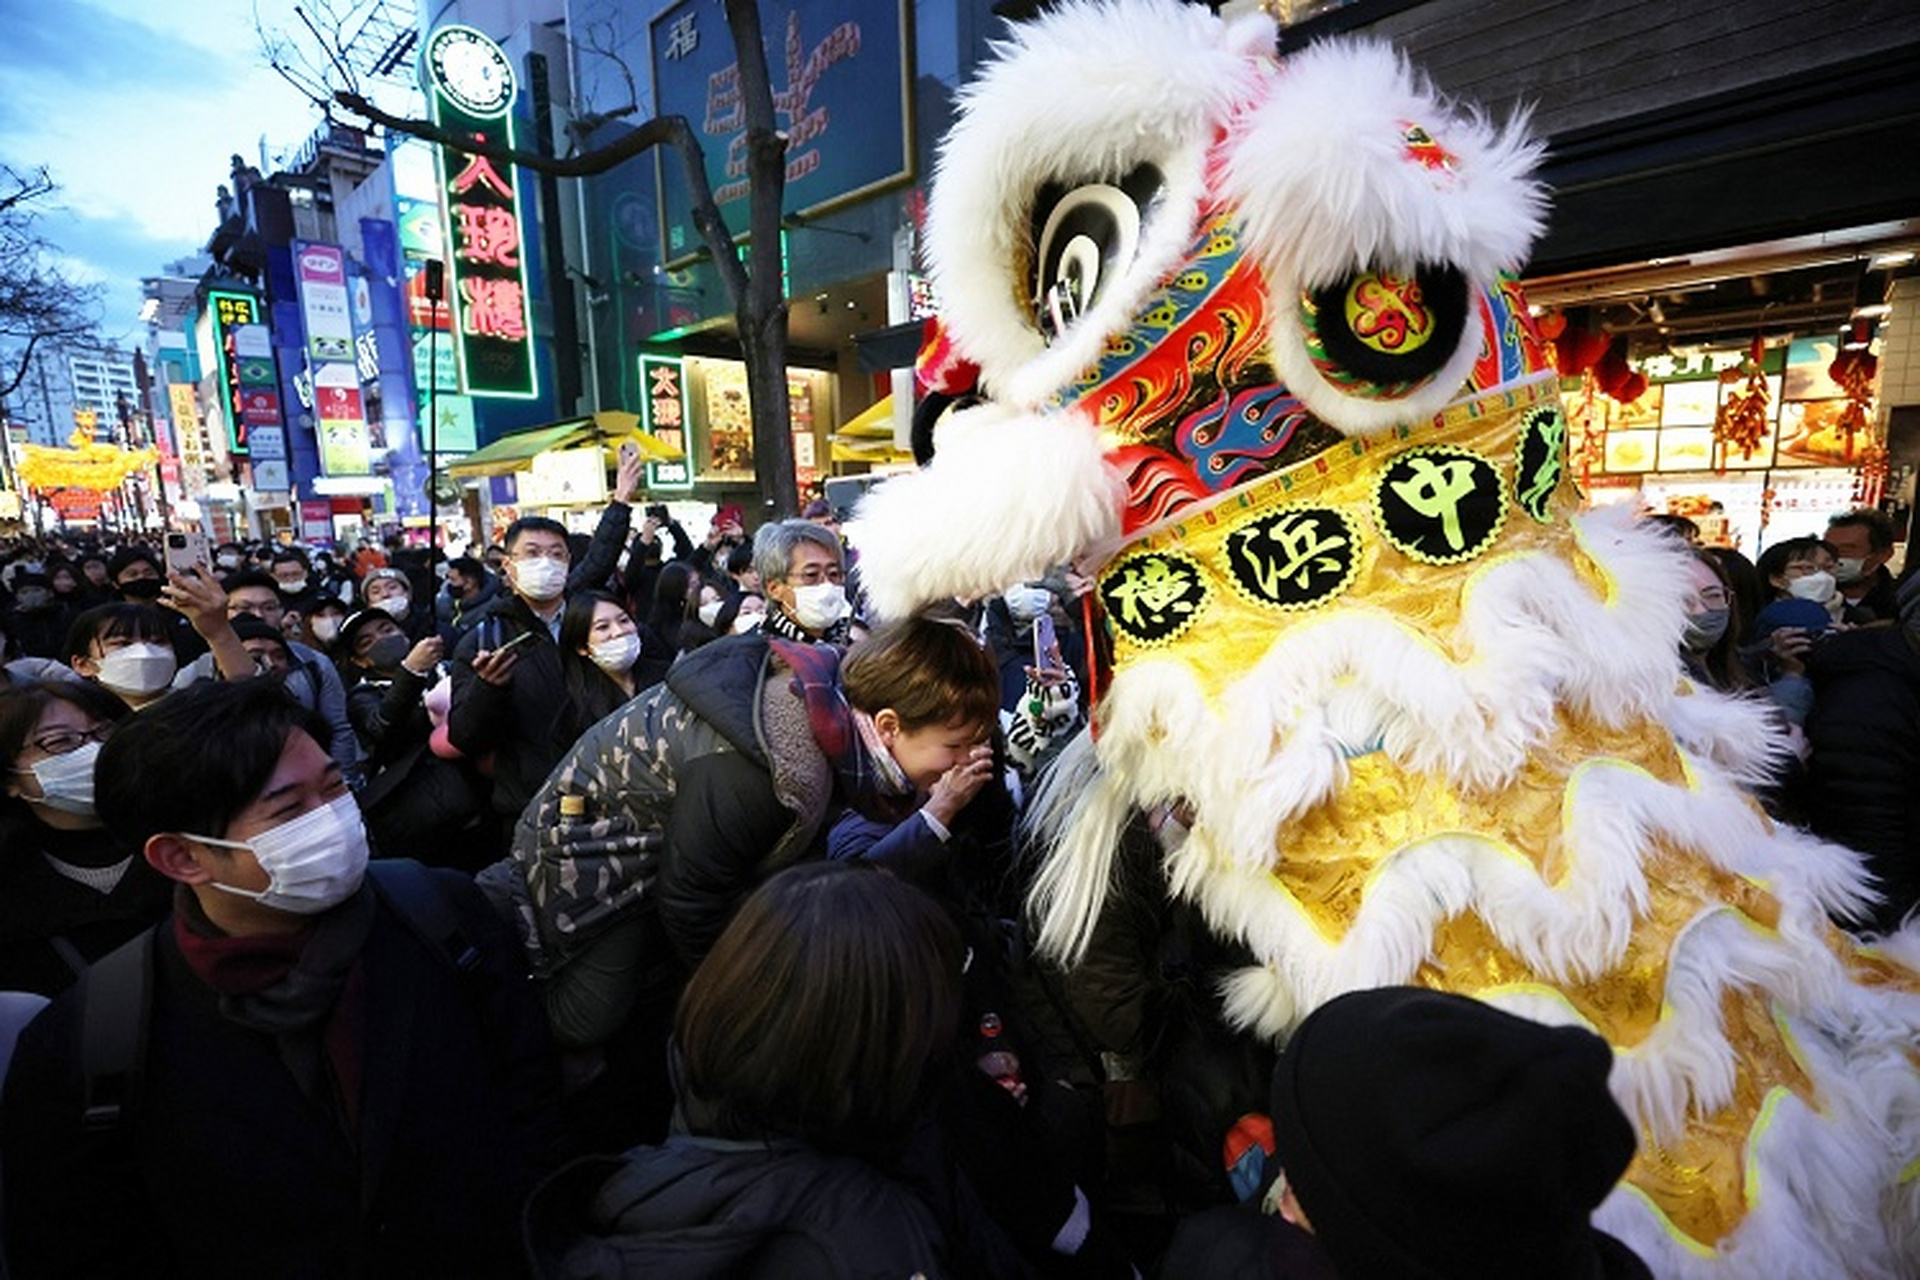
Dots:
pixel 471 83
pixel 663 413
pixel 243 366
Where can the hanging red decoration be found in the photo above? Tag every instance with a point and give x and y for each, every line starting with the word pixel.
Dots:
pixel 1575 351
pixel 1870 481
pixel 1616 377
pixel 1742 420
pixel 1588 433
pixel 1853 371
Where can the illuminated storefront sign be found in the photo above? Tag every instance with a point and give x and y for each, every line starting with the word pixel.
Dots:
pixel 663 413
pixel 240 360
pixel 321 270
pixel 345 449
pixel 471 84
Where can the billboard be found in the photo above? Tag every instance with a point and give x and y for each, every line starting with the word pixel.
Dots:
pixel 232 314
pixel 341 421
pixel 842 76
pixel 663 413
pixel 320 270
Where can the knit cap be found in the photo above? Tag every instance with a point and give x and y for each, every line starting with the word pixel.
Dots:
pixel 1426 1134
pixel 398 575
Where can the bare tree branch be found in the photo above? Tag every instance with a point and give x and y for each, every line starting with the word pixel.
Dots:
pixel 27 187
pixel 596 38
pixel 38 303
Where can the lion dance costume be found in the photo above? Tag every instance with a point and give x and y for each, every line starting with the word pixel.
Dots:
pixel 1247 343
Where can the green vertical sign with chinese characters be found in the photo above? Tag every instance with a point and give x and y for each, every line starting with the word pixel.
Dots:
pixel 663 414
pixel 471 84
pixel 231 313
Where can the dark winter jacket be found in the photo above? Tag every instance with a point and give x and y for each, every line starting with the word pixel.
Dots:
pixel 460 615
pixel 51 926
pixel 1879 604
pixel 529 725
pixel 694 792
pixel 1862 785
pixel 707 1207
pixel 223 1166
pixel 525 726
pixel 416 804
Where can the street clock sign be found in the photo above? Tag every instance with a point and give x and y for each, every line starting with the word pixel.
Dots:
pixel 471 85
pixel 471 70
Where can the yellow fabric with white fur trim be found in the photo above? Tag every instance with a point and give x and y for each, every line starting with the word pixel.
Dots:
pixel 1329 860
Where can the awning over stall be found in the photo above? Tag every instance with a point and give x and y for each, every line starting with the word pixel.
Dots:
pixel 516 452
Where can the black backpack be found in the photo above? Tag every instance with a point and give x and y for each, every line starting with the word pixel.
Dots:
pixel 116 993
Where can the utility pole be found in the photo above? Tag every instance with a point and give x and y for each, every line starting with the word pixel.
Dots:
pixel 436 271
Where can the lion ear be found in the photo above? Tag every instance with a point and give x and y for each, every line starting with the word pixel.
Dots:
pixel 1378 213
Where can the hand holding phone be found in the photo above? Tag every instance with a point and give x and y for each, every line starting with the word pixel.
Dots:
pixel 186 550
pixel 495 666
pixel 514 643
pixel 1046 645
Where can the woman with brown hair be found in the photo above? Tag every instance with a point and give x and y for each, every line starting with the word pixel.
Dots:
pixel 807 1044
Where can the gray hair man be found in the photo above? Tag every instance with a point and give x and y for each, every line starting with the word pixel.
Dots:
pixel 804 572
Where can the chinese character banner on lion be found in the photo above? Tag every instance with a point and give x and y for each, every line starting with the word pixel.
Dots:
pixel 1249 352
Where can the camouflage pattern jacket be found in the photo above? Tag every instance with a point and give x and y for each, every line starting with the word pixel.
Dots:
pixel 690 794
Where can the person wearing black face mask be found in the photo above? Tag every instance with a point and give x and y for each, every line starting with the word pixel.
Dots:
pixel 415 802
pixel 39 620
pixel 138 576
pixel 470 586
pixel 386 676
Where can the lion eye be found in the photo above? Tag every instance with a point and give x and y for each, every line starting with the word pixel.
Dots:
pixel 1378 335
pixel 1086 237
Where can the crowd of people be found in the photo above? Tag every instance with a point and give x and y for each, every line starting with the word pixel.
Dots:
pixel 1820 627
pixel 621 904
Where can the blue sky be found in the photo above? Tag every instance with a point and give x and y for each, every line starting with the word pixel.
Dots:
pixel 136 106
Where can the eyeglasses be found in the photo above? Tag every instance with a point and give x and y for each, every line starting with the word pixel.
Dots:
pixel 62 741
pixel 815 574
pixel 534 553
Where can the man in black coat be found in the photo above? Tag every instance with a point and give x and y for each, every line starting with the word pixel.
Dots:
pixel 1863 542
pixel 1864 732
pixel 509 700
pixel 336 1074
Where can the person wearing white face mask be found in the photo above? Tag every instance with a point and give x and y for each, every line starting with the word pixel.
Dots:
pixel 803 569
pixel 1863 542
pixel 605 657
pixel 509 693
pixel 357 1045
pixel 750 615
pixel 390 591
pixel 70 891
pixel 124 648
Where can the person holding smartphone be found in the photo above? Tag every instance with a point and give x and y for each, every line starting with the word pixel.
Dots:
pixel 510 703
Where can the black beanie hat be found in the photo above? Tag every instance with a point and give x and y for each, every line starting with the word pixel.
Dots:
pixel 1430 1135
